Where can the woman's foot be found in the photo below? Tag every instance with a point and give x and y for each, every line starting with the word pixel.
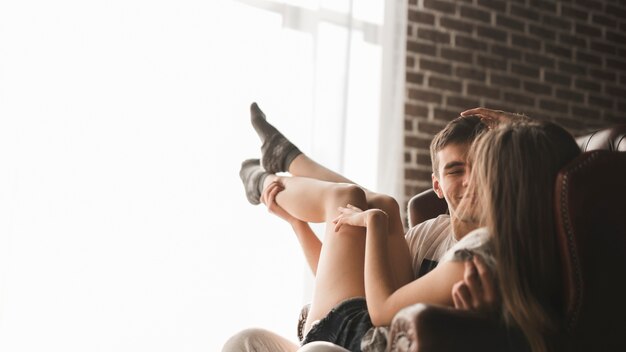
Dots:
pixel 252 175
pixel 277 151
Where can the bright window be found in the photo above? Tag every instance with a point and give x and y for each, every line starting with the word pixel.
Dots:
pixel 124 226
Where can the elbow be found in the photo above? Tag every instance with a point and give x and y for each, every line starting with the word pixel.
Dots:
pixel 379 317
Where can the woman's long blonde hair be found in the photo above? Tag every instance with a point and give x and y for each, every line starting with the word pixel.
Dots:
pixel 514 170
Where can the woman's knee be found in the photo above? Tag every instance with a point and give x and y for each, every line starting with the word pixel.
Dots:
pixel 255 339
pixel 384 202
pixel 345 193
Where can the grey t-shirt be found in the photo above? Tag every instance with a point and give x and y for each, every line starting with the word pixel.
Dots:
pixel 428 242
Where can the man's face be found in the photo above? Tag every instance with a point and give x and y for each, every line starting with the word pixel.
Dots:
pixel 451 183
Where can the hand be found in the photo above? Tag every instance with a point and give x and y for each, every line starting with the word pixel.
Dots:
pixel 351 215
pixel 493 117
pixel 268 197
pixel 476 291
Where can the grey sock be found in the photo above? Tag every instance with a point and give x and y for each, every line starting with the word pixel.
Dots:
pixel 277 152
pixel 252 175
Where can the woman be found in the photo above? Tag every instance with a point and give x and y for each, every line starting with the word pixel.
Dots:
pixel 364 255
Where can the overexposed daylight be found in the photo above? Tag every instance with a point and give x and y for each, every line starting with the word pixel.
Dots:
pixel 124 225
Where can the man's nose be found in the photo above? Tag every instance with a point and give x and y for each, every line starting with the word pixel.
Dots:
pixel 465 180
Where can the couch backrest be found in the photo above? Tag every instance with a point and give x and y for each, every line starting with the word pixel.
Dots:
pixel 590 197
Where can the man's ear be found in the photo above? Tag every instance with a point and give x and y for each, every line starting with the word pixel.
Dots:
pixel 437 186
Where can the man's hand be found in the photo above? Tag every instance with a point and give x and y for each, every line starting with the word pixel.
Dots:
pixel 476 291
pixel 269 199
pixel 493 117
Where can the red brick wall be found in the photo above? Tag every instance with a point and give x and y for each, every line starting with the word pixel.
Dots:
pixel 559 60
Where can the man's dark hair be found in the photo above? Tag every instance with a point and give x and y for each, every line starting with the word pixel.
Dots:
pixel 462 130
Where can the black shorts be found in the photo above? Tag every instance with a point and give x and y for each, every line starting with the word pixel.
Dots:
pixel 345 325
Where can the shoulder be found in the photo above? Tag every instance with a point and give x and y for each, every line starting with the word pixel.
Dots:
pixel 432 227
pixel 475 242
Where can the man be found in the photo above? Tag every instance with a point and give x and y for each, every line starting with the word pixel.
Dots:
pixel 427 241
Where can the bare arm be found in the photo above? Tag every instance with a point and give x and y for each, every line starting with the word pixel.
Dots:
pixel 384 300
pixel 309 242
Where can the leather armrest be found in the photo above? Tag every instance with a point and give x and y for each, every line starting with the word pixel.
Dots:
pixel 423 327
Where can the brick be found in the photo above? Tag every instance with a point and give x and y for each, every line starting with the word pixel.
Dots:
pixel 414 77
pixel 428 127
pixel 600 101
pixel 567 67
pixel 409 31
pixel 424 159
pixel 558 50
pixel 408 158
pixel 493 4
pixel 509 22
pixel 552 105
pixel 587 85
pixel 519 99
pixel 491 62
pixel 504 80
pixel 483 91
pixel 573 40
pixel 537 88
pixel 461 102
pixel 568 123
pixel 427 96
pixel 593 5
pixel 603 48
pixel 615 91
pixel 491 33
pixel 421 48
pixel 615 10
pixel 570 95
pixel 525 42
pixel 616 64
pixel 587 30
pixel 556 22
pixel 415 174
pixel 525 70
pixel 457 55
pixel 541 32
pixel 524 12
pixel 552 77
pixel 441 6
pixel 415 110
pixel 506 52
pixel 445 114
pixel 615 37
pixel 583 113
pixel 603 75
pixel 409 125
pixel 435 66
pixel 538 59
pixel 572 12
pixel 456 25
pixel 603 20
pixel 470 73
pixel 410 62
pixel 417 142
pixel 549 6
pixel 421 17
pixel 469 43
pixel 445 84
pixel 588 58
pixel 475 14
pixel 433 35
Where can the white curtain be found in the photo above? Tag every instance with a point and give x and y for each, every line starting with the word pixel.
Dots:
pixel 123 224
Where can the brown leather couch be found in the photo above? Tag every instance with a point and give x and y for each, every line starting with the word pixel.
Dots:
pixel 590 206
